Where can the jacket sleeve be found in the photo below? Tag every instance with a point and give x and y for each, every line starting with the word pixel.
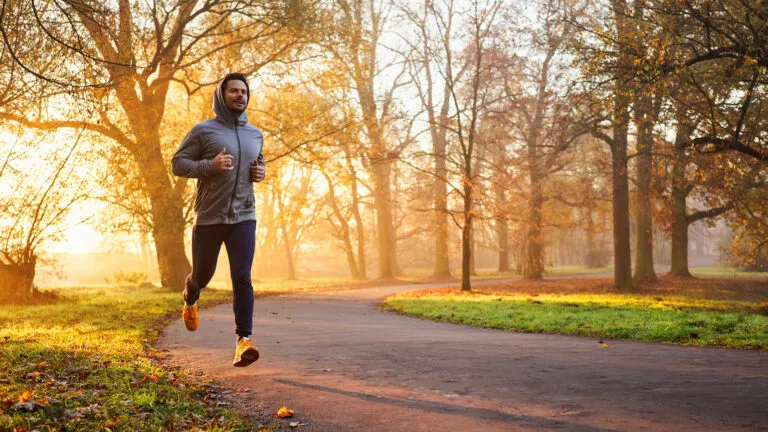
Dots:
pixel 260 159
pixel 188 162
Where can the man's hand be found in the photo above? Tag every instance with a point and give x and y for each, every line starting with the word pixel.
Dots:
pixel 258 172
pixel 223 162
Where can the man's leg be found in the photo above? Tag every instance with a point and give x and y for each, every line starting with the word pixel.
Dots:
pixel 206 244
pixel 241 243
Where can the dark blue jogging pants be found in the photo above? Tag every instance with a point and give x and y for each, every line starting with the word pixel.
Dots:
pixel 240 240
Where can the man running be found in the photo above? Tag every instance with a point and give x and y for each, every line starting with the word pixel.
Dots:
pixel 224 155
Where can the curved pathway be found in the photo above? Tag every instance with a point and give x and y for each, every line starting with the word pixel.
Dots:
pixel 343 365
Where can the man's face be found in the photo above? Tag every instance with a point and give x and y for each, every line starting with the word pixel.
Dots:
pixel 235 96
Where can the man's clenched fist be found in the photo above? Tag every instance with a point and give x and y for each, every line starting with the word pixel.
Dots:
pixel 257 172
pixel 223 162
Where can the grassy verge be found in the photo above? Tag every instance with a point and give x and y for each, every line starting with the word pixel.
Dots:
pixel 85 362
pixel 698 312
pixel 725 272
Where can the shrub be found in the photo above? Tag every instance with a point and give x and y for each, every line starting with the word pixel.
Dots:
pixel 132 279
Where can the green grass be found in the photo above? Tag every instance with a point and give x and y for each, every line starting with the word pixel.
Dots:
pixel 694 321
pixel 418 274
pixel 725 272
pixel 87 359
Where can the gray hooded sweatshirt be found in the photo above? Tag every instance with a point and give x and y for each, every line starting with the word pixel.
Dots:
pixel 224 197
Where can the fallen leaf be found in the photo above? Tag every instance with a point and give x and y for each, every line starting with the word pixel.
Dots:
pixel 243 389
pixel 25 396
pixel 284 412
pixel 605 346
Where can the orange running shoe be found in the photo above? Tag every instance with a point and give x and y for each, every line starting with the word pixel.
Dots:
pixel 190 317
pixel 245 353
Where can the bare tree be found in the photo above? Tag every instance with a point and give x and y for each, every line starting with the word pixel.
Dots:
pixel 354 43
pixel 40 187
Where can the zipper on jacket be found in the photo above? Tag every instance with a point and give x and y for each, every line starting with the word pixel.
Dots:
pixel 237 174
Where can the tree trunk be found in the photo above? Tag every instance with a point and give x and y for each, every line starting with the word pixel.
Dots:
pixel 622 258
pixel 679 194
pixel 384 226
pixel 534 268
pixel 679 253
pixel 361 265
pixel 472 247
pixel 353 270
pixel 442 266
pixel 17 280
pixel 644 240
pixel 343 234
pixel 503 233
pixel 167 216
pixel 466 240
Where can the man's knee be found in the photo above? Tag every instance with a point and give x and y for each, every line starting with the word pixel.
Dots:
pixel 241 281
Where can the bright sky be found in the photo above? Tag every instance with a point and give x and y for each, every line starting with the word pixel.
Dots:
pixel 79 239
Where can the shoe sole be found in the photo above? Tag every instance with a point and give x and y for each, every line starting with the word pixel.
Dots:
pixel 248 357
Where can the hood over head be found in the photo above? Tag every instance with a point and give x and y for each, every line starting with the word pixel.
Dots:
pixel 223 113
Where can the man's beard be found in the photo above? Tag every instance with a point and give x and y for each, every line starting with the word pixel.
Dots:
pixel 236 111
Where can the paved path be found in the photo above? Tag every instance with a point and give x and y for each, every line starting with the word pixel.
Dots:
pixel 343 365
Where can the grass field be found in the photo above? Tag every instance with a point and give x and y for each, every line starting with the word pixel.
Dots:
pixel 716 312
pixel 85 362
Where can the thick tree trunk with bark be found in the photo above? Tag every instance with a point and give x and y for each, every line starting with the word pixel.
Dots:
pixel 644 241
pixel 17 280
pixel 679 254
pixel 622 258
pixel 534 261
pixel 167 209
pixel 679 225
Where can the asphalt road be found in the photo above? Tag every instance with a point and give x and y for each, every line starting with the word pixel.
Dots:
pixel 343 365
